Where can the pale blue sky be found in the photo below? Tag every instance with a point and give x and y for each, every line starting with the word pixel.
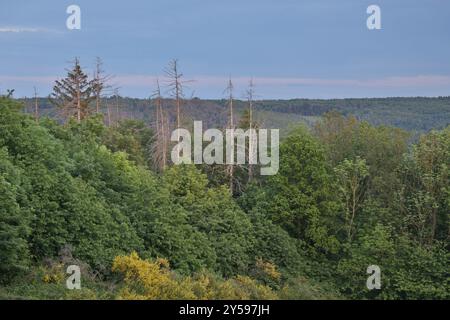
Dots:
pixel 292 48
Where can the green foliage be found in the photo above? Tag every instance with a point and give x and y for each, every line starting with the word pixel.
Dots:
pixel 347 196
pixel 351 176
pixel 300 197
pixel 381 147
pixel 213 212
pixel 66 209
pixel 408 271
pixel 14 220
pixel 423 199
pixel 132 137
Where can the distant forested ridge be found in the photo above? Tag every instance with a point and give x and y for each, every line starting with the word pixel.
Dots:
pixel 418 114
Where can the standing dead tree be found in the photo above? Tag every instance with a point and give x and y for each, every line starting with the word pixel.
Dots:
pixel 251 146
pixel 175 84
pixel 161 125
pixel 231 126
pixel 100 83
pixel 117 106
pixel 36 105
pixel 108 112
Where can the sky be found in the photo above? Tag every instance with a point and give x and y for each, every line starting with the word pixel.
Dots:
pixel 291 48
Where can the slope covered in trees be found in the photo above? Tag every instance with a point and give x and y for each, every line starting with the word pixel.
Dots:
pixel 348 195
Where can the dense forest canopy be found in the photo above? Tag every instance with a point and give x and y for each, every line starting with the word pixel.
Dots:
pixel 84 193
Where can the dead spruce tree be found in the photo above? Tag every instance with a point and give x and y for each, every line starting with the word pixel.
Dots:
pixel 36 105
pixel 251 146
pixel 175 85
pixel 231 126
pixel 117 106
pixel 161 125
pixel 108 112
pixel 73 94
pixel 100 83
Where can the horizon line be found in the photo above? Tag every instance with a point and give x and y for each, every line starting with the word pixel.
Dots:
pixel 265 99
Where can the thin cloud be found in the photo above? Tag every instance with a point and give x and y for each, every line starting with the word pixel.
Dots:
pixel 26 30
pixel 388 82
pixel 204 80
pixel 28 79
pixel 206 83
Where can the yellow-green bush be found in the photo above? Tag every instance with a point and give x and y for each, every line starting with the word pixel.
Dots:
pixel 151 280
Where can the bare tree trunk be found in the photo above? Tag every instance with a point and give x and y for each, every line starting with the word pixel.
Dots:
pixel 116 93
pixel 177 83
pixel 36 106
pixel 433 225
pixel 231 127
pixel 353 208
pixel 176 86
pixel 97 104
pixel 160 145
pixel 109 113
pixel 166 132
pixel 78 103
pixel 98 87
pixel 100 84
pixel 178 108
pixel 164 140
pixel 250 94
pixel 176 90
